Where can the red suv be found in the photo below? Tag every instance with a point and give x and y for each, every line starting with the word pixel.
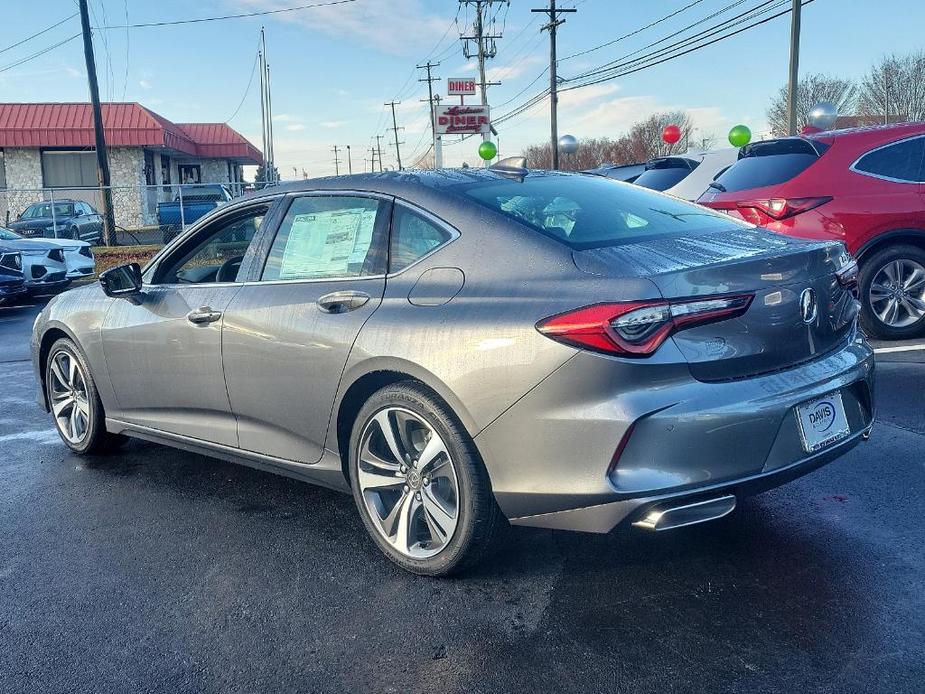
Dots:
pixel 864 186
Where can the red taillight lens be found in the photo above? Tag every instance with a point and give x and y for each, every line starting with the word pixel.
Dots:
pixel 637 328
pixel 781 208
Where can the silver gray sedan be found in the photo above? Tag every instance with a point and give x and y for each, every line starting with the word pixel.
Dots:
pixel 465 349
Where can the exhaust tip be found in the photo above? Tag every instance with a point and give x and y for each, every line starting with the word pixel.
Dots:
pixel 668 517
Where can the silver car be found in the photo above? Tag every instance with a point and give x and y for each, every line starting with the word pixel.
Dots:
pixel 465 349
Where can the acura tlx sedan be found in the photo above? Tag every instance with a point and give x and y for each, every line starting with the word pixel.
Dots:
pixel 463 349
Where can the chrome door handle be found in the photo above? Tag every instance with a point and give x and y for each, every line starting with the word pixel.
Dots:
pixel 341 302
pixel 203 315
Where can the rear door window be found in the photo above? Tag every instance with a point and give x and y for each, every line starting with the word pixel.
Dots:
pixel 769 164
pixel 901 161
pixel 326 237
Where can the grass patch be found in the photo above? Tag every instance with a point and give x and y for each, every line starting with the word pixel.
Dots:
pixel 112 256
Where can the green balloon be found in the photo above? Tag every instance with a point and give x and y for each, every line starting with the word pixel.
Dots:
pixel 740 136
pixel 488 150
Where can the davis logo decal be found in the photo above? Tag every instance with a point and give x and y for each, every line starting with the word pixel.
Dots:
pixel 822 417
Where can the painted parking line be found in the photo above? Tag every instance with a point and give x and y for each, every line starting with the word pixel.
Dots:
pixel 901 348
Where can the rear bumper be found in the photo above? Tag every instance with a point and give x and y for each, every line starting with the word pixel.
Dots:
pixel 551 456
pixel 603 518
pixel 12 290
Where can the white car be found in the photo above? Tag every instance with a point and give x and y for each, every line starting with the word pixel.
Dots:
pixel 712 164
pixel 77 255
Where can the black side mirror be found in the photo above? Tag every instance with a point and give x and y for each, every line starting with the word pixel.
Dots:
pixel 123 280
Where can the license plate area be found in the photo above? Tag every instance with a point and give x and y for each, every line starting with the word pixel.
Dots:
pixel 822 422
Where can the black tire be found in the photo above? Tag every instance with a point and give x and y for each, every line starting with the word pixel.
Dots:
pixel 97 440
pixel 480 521
pixel 870 267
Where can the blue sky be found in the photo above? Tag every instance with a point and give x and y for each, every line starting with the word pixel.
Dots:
pixel 332 68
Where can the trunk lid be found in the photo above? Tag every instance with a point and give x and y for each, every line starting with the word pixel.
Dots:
pixel 800 309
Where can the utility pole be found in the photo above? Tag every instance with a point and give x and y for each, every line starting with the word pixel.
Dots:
pixel 266 112
pixel 485 46
pixel 263 113
pixel 430 79
pixel 379 150
pixel 395 130
pixel 273 173
pixel 336 161
pixel 349 162
pixel 102 155
pixel 793 86
pixel 554 23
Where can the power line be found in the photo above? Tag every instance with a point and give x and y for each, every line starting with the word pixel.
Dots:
pixel 39 53
pixel 685 52
pixel 247 89
pixel 39 33
pixel 716 28
pixel 241 15
pixel 634 32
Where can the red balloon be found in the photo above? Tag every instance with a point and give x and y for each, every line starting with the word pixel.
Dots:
pixel 671 134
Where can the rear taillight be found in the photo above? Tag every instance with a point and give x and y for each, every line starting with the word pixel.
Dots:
pixel 637 328
pixel 781 208
pixel 847 276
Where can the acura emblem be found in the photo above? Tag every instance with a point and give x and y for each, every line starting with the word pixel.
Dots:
pixel 808 305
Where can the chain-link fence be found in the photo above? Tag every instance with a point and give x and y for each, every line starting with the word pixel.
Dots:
pixel 150 214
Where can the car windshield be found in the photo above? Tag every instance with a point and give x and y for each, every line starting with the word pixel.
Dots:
pixel 590 211
pixel 7 235
pixel 44 210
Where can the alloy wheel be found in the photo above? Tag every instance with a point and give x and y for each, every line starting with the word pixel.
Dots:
pixel 408 482
pixel 69 397
pixel 897 293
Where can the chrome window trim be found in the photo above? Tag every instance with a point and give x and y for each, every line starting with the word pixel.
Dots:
pixel 855 169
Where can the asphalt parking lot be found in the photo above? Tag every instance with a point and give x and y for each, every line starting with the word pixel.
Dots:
pixel 159 570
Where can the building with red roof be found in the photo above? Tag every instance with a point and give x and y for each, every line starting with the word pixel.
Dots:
pixel 47 149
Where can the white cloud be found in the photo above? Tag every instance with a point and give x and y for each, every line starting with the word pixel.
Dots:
pixel 295 127
pixel 144 84
pixel 285 118
pixel 332 124
pixel 401 27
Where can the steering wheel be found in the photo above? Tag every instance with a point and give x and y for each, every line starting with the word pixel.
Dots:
pixel 228 272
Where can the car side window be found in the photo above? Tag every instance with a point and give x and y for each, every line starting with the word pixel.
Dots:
pixel 413 237
pixel 326 237
pixel 215 254
pixel 901 161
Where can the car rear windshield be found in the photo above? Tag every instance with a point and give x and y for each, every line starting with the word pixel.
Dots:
pixel 769 164
pixel 662 174
pixel 590 211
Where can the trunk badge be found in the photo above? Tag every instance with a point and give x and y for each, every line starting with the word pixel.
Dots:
pixel 808 307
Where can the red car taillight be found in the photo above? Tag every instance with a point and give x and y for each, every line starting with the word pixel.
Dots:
pixel 637 328
pixel 781 208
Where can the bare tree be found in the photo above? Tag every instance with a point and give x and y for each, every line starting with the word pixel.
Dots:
pixel 812 90
pixel 894 89
pixel 641 143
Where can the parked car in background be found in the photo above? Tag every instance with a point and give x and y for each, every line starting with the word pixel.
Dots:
pixel 650 364
pixel 621 172
pixel 42 262
pixel 12 283
pixel 862 186
pixel 68 219
pixel 78 255
pixel 712 164
pixel 662 173
pixel 191 203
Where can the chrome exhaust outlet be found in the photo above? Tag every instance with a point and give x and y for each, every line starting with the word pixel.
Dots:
pixel 670 517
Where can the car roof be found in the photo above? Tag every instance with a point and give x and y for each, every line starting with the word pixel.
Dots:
pixel 426 182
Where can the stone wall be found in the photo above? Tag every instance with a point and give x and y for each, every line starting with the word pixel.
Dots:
pixel 23 182
pixel 127 173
